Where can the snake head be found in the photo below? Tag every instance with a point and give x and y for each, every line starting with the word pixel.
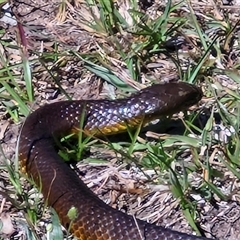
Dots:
pixel 166 99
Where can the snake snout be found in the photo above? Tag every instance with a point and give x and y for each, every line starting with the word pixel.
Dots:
pixel 189 95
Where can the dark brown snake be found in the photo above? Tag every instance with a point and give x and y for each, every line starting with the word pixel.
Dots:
pixel 62 188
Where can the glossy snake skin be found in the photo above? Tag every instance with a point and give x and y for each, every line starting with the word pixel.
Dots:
pixel 62 188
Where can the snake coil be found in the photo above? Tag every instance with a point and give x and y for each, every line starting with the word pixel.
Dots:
pixel 62 188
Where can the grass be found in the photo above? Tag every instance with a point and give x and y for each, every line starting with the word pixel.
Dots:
pixel 129 51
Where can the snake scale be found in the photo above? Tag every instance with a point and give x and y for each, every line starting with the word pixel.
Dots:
pixel 60 185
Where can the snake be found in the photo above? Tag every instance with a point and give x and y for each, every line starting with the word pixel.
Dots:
pixel 62 188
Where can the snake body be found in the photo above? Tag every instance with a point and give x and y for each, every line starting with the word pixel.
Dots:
pixel 62 188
